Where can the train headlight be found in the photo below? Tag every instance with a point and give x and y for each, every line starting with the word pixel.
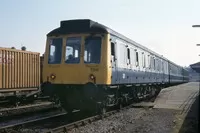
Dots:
pixel 53 76
pixel 92 77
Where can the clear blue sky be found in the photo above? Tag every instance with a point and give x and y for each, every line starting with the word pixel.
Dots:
pixel 164 26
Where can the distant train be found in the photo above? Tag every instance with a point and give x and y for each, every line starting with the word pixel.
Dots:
pixel 90 67
pixel 19 74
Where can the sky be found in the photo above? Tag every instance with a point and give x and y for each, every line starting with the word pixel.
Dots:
pixel 164 26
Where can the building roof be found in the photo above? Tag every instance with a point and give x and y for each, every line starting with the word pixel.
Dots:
pixel 196 67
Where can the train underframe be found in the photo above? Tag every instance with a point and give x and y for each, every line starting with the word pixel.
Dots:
pixel 18 96
pixel 97 99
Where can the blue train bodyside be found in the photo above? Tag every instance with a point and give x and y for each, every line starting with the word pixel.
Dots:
pixel 133 64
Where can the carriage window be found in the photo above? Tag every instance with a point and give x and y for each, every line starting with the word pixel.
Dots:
pixel 128 55
pixel 149 61
pixel 55 51
pixel 112 49
pixel 132 54
pixel 92 53
pixel 137 59
pixel 72 55
pixel 154 63
pixel 143 60
pixel 158 64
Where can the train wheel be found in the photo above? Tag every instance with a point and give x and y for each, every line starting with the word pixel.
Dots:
pixel 55 99
pixel 103 110
pixel 120 106
pixel 153 92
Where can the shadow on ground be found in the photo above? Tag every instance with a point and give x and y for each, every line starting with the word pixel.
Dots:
pixel 190 124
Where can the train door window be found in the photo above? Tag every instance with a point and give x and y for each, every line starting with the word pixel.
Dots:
pixel 149 61
pixel 137 58
pixel 164 66
pixel 55 51
pixel 143 59
pixel 154 63
pixel 113 51
pixel 72 55
pixel 157 64
pixel 128 55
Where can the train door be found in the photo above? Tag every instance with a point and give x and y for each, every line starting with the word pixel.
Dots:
pixel 114 63
pixel 162 71
pixel 169 72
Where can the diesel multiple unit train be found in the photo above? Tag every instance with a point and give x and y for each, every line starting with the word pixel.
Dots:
pixel 89 66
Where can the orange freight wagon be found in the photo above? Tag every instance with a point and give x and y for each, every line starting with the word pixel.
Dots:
pixel 41 66
pixel 19 72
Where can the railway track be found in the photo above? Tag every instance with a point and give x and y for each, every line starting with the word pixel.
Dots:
pixel 12 110
pixel 83 122
pixel 56 120
pixel 19 121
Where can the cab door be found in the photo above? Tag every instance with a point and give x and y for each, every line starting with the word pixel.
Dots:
pixel 114 63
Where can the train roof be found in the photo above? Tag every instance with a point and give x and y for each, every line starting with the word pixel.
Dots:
pixel 87 25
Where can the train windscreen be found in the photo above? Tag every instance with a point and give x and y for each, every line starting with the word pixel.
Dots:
pixel 92 52
pixel 55 51
pixel 73 48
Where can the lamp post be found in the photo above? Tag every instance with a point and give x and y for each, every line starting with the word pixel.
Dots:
pixel 194 26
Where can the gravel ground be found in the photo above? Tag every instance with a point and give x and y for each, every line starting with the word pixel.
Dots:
pixel 134 120
pixel 141 120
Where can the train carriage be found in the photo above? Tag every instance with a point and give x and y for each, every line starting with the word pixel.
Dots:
pixel 19 74
pixel 88 64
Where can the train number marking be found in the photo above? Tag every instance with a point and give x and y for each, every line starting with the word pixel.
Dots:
pixel 94 69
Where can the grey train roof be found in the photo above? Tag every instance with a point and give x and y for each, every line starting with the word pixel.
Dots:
pixel 89 26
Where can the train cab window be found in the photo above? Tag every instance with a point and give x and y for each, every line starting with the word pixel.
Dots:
pixel 55 51
pixel 128 56
pixel 92 52
pixel 72 55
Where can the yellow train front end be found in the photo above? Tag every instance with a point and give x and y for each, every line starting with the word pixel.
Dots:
pixel 77 59
pixel 77 64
